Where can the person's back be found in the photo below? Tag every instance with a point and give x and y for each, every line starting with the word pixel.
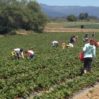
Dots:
pixel 17 50
pixel 55 43
pixel 89 50
pixel 30 54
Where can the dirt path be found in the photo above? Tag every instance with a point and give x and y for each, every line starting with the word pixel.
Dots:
pixel 90 93
pixel 86 93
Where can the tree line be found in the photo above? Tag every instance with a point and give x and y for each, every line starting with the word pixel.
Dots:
pixel 21 14
pixel 81 16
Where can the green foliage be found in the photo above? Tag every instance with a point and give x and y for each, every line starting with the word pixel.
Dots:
pixel 22 14
pixel 87 25
pixel 52 67
pixel 71 18
pixel 83 16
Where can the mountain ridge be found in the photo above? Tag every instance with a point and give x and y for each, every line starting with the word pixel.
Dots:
pixel 63 11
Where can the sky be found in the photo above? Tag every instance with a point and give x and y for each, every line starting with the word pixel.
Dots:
pixel 70 2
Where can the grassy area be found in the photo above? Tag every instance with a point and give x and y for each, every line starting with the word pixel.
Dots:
pixel 87 25
pixel 51 67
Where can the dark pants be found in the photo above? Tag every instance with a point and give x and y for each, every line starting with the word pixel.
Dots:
pixel 17 56
pixel 87 64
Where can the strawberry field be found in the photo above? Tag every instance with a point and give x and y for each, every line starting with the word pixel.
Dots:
pixel 54 72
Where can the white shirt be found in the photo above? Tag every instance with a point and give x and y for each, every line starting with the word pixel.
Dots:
pixel 17 50
pixel 55 42
pixel 89 50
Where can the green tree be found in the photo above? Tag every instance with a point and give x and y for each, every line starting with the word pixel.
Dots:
pixel 83 16
pixel 21 14
pixel 71 18
pixel 38 21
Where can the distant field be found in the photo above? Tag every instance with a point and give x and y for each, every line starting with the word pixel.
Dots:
pixel 87 25
pixel 72 27
pixel 53 74
pixel 94 25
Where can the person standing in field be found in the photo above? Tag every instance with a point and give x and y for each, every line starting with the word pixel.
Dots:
pixel 89 51
pixel 17 53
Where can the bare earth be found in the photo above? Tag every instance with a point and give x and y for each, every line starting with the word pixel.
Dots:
pixel 23 32
pixel 90 93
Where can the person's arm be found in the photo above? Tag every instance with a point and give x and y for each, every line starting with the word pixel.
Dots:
pixel 84 48
pixel 22 54
pixel 94 52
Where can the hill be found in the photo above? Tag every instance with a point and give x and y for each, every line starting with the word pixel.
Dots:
pixel 61 11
